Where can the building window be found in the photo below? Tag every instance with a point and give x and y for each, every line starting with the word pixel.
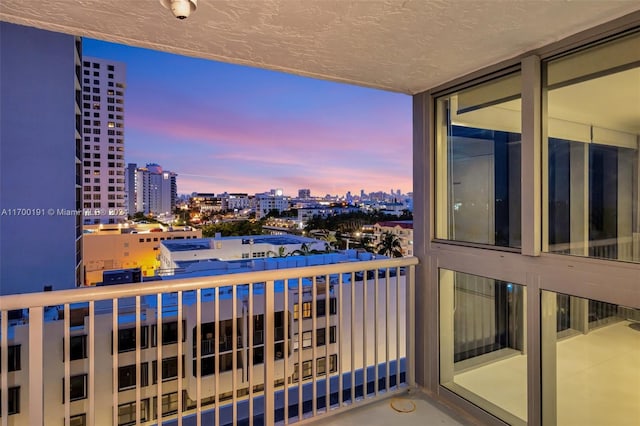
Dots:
pixel 169 404
pixel 482 342
pixel 307 370
pixel 127 376
pixel 333 363
pixel 592 144
pixel 321 366
pixel 478 163
pixel 77 347
pixel 306 310
pixel 78 420
pixel 77 387
pixel 169 333
pixel 321 336
pixel 321 307
pixel 169 369
pixel 597 338
pixel 307 339
pixel 14 400
pixel 127 339
pixel 14 358
pixel 127 413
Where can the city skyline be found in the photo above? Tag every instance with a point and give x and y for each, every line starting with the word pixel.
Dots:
pixel 224 127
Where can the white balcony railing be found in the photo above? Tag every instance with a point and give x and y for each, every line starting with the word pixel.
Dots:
pixel 343 329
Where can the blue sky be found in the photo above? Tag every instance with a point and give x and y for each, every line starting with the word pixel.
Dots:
pixel 225 127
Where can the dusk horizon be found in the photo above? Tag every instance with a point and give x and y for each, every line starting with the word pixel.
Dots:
pixel 225 127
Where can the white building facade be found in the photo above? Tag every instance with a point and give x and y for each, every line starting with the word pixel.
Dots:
pixel 268 201
pixel 156 190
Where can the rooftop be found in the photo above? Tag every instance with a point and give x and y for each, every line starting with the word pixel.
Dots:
pixel 206 243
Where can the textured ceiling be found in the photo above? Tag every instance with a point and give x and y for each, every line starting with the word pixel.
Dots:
pixel 404 46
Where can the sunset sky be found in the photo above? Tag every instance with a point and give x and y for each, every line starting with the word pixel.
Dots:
pixel 232 128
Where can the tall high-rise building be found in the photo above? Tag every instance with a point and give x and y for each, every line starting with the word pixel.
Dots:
pixel 130 183
pixel 40 154
pixel 155 189
pixel 103 87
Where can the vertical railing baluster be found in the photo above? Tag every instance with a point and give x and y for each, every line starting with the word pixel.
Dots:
pixel 353 338
pixel 91 417
pixel 285 345
pixel 198 340
pixel 216 352
pixel 114 359
pixel 4 369
pixel 314 363
pixel 180 357
pixel 339 330
pixel 375 332
pixel 300 344
pixel 138 361
pixel 66 323
pixel 411 325
pixel 388 333
pixel 159 372
pixel 36 366
pixel 269 353
pixel 327 343
pixel 249 366
pixel 398 355
pixel 365 288
pixel 234 355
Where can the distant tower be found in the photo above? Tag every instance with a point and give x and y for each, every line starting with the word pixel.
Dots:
pixel 156 190
pixel 130 181
pixel 103 86
pixel 304 194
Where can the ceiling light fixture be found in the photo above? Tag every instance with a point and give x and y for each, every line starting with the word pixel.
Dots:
pixel 181 9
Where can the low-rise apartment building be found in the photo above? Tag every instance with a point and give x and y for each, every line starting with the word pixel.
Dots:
pixel 109 247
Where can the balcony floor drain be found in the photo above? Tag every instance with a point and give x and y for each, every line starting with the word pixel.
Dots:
pixel 403 405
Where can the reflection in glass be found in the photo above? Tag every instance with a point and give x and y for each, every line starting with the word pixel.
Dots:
pixel 593 131
pixel 478 164
pixel 591 362
pixel 482 347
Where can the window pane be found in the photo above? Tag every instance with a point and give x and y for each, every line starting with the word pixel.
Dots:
pixel 593 128
pixel 590 361
pixel 482 343
pixel 478 164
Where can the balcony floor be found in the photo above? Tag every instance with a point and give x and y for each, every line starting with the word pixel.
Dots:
pixel 381 413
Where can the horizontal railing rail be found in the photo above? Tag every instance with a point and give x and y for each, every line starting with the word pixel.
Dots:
pixel 97 355
pixel 78 295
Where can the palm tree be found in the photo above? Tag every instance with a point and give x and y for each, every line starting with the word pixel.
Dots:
pixel 389 245
pixel 304 250
pixel 282 252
